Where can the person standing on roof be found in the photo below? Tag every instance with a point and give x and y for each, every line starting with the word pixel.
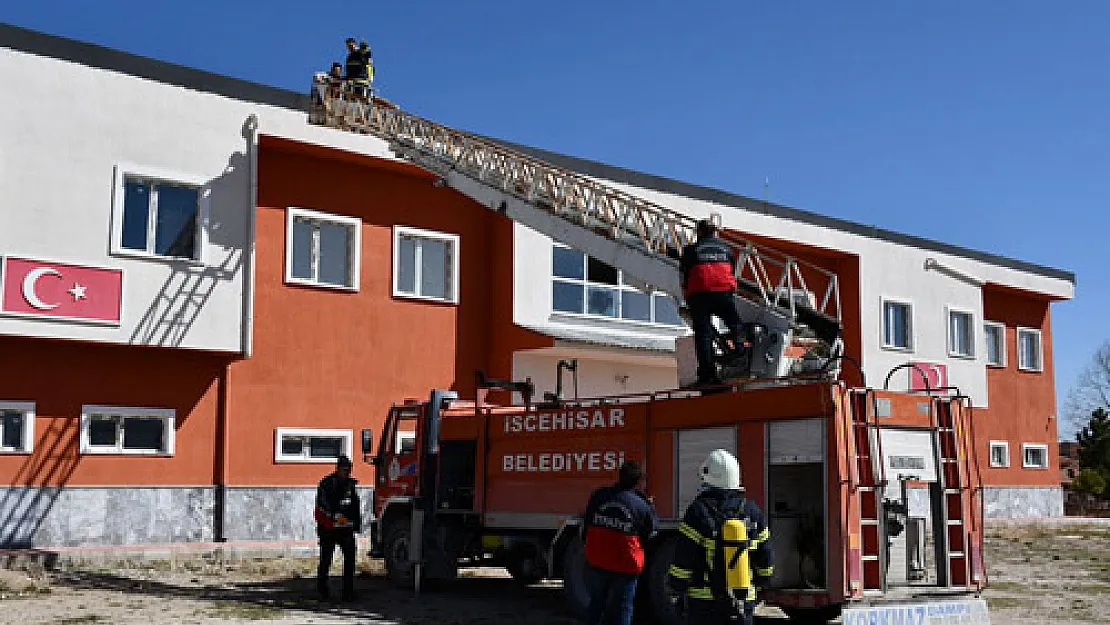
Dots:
pixel 619 521
pixel 708 284
pixel 360 67
pixel 338 518
pixel 724 548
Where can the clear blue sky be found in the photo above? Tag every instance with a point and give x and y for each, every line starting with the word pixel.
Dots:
pixel 984 124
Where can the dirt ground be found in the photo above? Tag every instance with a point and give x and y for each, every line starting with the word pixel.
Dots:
pixel 1039 574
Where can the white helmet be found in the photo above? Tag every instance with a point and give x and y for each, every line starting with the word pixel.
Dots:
pixel 721 470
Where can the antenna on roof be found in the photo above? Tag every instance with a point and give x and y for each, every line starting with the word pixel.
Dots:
pixel 766 187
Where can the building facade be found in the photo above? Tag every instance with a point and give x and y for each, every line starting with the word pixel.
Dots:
pixel 205 299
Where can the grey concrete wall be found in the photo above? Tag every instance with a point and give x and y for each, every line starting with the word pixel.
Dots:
pixel 73 516
pixel 1023 502
pixel 277 513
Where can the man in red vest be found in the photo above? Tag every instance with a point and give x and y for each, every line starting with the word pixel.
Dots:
pixel 619 522
pixel 708 283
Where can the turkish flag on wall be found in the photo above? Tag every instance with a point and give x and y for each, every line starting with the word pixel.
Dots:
pixel 937 375
pixel 62 291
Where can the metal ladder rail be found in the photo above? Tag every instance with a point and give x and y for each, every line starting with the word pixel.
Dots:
pixel 619 216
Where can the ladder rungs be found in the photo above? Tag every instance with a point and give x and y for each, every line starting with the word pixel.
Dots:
pixel 952 491
pixel 869 521
pixel 955 522
pixel 956 555
pixel 870 558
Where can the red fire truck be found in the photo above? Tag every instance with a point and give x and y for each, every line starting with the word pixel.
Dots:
pixel 872 496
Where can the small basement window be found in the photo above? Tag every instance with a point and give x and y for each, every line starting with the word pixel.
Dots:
pixel 1035 456
pixel 312 445
pixel 17 427
pixel 127 431
pixel 1000 454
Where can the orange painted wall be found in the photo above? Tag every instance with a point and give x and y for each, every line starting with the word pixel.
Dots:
pixel 61 376
pixel 332 359
pixel 1021 402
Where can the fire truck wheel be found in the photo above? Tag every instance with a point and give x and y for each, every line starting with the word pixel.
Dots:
pixel 574 577
pixel 524 565
pixel 664 602
pixel 396 552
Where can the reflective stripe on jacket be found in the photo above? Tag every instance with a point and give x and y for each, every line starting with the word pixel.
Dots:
pixel 695 564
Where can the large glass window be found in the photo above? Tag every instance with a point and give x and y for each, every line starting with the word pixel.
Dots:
pixel 961 337
pixel 425 264
pixel 159 217
pixel 322 249
pixel 586 286
pixel 897 325
pixel 118 430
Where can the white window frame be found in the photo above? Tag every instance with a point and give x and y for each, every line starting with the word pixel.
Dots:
pixel 949 312
pixel 403 436
pixel 1005 447
pixel 355 252
pixel 621 286
pixel 347 436
pixel 1001 327
pixel 204 202
pixel 1027 446
pixel 169 425
pixel 883 300
pixel 456 256
pixel 1040 349
pixel 28 410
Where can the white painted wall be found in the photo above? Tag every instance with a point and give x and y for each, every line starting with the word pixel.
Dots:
pixel 64 127
pixel 600 371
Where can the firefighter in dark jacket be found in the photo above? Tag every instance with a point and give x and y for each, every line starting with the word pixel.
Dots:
pixel 724 548
pixel 338 518
pixel 708 284
pixel 359 68
pixel 619 521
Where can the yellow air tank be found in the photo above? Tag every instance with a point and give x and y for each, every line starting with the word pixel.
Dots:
pixel 734 535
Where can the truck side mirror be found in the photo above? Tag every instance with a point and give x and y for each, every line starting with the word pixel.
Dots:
pixel 367 442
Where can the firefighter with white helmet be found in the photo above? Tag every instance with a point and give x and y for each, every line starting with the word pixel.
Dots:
pixel 724 547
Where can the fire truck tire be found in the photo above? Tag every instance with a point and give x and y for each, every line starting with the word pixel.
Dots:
pixel 524 565
pixel 395 546
pixel 663 601
pixel 812 616
pixel 574 577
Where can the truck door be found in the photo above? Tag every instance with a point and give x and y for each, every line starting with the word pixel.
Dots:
pixel 398 461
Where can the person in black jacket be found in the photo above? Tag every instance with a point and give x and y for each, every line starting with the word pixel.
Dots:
pixel 619 522
pixel 708 284
pixel 338 518
pixel 698 570
pixel 360 67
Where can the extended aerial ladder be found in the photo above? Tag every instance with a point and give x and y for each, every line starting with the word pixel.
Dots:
pixel 797 302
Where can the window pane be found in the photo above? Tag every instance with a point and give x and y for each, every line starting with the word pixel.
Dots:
pixel 567 263
pixel 11 426
pixel 666 311
pixel 959 329
pixel 602 301
pixel 102 431
pixel 566 297
pixel 635 305
pixel 292 446
pixel 325 447
pixel 434 259
pixel 597 271
pixel 146 433
pixel 993 335
pixel 998 455
pixel 896 325
pixel 335 254
pixel 301 262
pixel 1030 350
pixel 175 232
pixel 136 211
pixel 406 265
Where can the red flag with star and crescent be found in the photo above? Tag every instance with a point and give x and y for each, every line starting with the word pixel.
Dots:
pixel 61 291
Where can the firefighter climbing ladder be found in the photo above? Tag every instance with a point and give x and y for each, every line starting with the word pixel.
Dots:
pixel 637 236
